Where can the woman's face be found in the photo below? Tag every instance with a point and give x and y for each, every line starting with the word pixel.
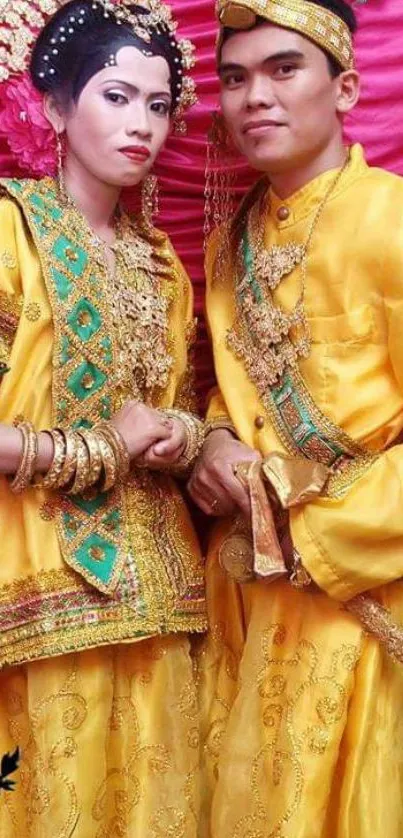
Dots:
pixel 121 119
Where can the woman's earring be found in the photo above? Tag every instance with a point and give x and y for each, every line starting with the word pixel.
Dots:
pixel 150 199
pixel 60 172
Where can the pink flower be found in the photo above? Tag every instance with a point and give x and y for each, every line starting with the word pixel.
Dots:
pixel 23 123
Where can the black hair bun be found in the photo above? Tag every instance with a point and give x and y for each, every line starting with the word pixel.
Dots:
pixel 83 38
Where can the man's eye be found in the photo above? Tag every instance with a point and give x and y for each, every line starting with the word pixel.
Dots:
pixel 233 79
pixel 285 70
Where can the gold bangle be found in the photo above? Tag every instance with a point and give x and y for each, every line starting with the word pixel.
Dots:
pixel 82 467
pixel 118 445
pixel 194 438
pixel 70 460
pixel 219 423
pixel 109 464
pixel 92 442
pixel 26 468
pixel 51 478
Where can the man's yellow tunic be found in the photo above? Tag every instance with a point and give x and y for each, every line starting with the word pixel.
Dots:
pixel 303 723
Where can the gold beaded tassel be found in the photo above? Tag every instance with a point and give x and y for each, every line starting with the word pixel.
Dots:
pixel 219 177
pixel 150 199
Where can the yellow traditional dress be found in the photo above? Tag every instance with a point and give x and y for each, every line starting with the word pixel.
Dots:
pixel 98 591
pixel 302 711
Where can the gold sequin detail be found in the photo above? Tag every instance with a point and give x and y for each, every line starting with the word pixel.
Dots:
pixel 8 260
pixel 32 312
pixel 48 511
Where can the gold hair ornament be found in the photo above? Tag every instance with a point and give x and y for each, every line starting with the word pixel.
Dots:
pixel 22 20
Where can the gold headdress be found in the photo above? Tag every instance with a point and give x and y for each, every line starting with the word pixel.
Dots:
pixel 322 26
pixel 22 20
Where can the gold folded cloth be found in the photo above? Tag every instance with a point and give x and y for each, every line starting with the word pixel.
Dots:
pixel 252 551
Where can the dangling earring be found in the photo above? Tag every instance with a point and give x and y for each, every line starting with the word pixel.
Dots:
pixel 219 177
pixel 150 199
pixel 60 172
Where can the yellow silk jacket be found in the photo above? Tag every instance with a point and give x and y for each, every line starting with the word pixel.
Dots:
pixel 353 541
pixel 83 571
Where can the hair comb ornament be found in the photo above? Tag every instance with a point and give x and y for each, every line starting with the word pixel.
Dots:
pixel 22 20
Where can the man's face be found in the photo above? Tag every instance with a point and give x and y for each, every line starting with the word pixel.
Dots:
pixel 278 98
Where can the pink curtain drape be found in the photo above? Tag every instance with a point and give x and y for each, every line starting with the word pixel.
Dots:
pixel 377 123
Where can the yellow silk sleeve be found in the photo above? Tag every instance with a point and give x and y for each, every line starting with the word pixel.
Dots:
pixel 355 543
pixel 10 286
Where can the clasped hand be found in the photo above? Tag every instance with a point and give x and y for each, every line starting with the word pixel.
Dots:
pixel 213 484
pixel 151 439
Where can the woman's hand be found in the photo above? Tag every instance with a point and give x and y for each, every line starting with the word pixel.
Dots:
pixel 166 452
pixel 141 427
pixel 213 484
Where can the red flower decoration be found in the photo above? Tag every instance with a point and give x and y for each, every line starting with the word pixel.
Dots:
pixel 28 133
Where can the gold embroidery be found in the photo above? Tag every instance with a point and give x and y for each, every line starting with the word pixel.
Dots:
pixel 48 511
pixel 141 308
pixel 55 613
pixel 377 621
pixel 185 398
pixel 8 260
pixel 32 312
pixel 347 472
pixel 10 312
pixel 285 683
pixel 121 794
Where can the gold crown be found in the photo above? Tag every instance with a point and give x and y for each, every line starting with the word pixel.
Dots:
pixel 323 27
pixel 22 20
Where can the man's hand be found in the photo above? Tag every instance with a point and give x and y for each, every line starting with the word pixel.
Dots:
pixel 213 484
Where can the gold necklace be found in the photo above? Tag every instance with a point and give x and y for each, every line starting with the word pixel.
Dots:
pixel 278 338
pixel 140 310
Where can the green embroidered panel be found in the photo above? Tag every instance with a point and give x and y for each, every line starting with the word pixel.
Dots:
pixel 85 380
pixel 98 556
pixel 62 283
pixel 74 258
pixel 84 320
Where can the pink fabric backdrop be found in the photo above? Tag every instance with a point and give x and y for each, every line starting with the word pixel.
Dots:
pixel 377 122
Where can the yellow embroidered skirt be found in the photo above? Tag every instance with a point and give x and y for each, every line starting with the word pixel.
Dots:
pixel 302 720
pixel 109 744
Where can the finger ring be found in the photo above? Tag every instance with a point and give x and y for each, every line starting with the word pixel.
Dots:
pixel 214 504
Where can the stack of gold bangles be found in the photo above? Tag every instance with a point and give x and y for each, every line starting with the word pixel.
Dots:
pixel 81 459
pixel 194 439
